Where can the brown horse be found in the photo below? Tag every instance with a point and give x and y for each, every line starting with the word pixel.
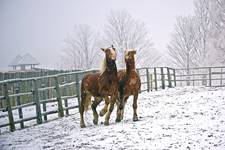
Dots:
pixel 129 84
pixel 100 85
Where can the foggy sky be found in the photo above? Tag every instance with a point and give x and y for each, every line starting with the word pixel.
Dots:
pixel 40 26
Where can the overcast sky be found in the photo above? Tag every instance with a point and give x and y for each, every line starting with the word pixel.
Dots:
pixel 40 26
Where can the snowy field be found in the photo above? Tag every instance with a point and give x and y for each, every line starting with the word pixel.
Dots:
pixel 177 118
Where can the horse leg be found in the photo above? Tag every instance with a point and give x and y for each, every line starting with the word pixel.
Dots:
pixel 85 101
pixel 135 117
pixel 118 112
pixel 125 102
pixel 97 100
pixel 111 107
pixel 105 108
pixel 81 110
pixel 120 109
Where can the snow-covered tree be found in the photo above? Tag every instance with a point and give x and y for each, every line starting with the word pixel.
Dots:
pixel 217 18
pixel 80 51
pixel 181 48
pixel 124 32
pixel 202 23
pixel 200 37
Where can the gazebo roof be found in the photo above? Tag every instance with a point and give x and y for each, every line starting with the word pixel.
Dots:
pixel 15 60
pixel 27 59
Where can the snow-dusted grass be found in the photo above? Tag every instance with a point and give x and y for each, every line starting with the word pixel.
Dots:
pixel 31 112
pixel 177 118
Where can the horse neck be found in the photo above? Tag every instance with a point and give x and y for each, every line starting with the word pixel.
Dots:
pixel 110 70
pixel 130 66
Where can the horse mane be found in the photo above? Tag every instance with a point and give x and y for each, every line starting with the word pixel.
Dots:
pixel 103 66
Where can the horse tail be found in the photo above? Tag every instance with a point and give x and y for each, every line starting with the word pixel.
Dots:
pixel 85 99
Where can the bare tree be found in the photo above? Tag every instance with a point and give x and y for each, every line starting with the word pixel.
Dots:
pixel 217 18
pixel 199 40
pixel 124 32
pixel 202 23
pixel 80 51
pixel 182 45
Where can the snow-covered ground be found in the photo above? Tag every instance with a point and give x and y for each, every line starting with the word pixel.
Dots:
pixel 177 118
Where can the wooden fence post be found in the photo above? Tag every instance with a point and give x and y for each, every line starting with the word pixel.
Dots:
pixel 210 77
pixel 49 92
pixel 18 102
pixel 65 94
pixel 162 78
pixel 174 77
pixel 221 77
pixel 138 72
pixel 169 77
pixel 147 75
pixel 1 92
pixel 151 82
pixel 155 75
pixel 78 89
pixel 9 108
pixel 44 97
pixel 37 102
pixel 59 99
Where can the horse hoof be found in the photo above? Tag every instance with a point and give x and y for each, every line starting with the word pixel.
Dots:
pixel 102 113
pixel 82 125
pixel 95 122
pixel 118 120
pixel 106 123
pixel 135 118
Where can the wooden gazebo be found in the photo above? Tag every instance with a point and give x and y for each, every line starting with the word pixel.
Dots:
pixel 23 63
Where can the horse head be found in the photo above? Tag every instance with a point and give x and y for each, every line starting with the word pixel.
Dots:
pixel 129 55
pixel 110 53
pixel 110 58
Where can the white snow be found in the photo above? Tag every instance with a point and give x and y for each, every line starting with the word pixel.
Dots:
pixel 176 118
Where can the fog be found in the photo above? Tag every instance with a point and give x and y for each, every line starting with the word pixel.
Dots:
pixel 40 27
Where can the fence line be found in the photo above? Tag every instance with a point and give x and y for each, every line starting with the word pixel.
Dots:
pixel 19 93
pixel 62 88
pixel 203 76
pixel 30 74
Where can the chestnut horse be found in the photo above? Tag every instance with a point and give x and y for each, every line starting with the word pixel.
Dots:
pixel 100 85
pixel 129 84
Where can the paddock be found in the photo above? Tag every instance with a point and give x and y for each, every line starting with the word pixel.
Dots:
pixel 174 118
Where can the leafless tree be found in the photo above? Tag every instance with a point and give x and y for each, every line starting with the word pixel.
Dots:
pixel 124 32
pixel 182 45
pixel 197 41
pixel 217 18
pixel 202 23
pixel 80 51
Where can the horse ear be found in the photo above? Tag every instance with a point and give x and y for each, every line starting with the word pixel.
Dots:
pixel 113 47
pixel 103 49
pixel 133 51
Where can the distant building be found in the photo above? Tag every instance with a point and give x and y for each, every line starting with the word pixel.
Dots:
pixel 24 63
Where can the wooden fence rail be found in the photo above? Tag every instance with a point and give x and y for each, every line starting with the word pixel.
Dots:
pixel 202 76
pixel 20 93
pixel 61 88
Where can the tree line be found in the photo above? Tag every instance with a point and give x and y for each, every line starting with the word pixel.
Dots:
pixel 199 39
pixel 121 30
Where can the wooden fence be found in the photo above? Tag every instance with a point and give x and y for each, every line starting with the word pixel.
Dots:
pixel 17 94
pixel 61 88
pixel 202 76
pixel 30 74
pixel 156 78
